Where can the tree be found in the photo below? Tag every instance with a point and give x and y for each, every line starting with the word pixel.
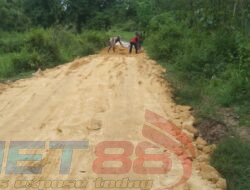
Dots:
pixel 44 13
pixel 12 16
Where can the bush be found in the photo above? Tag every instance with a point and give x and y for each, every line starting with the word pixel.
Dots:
pixel 231 159
pixel 12 17
pixel 21 62
pixel 217 62
pixel 86 43
pixel 40 48
pixel 11 42
pixel 44 49
pixel 100 21
pixel 38 51
pixel 6 67
pixel 208 55
pixel 165 40
pixel 98 39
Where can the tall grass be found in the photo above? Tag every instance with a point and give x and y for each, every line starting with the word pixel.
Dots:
pixel 232 160
pixel 40 48
pixel 6 66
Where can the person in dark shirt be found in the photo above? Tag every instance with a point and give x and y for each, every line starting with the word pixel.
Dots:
pixel 134 42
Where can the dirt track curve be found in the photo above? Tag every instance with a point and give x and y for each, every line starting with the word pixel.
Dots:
pixel 97 98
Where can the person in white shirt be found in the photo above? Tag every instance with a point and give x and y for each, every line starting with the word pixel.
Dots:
pixel 113 41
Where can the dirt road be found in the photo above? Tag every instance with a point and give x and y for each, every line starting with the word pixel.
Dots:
pixel 96 98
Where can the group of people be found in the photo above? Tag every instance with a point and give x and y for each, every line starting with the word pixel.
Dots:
pixel 135 42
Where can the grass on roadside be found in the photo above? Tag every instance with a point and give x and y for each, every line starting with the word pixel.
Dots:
pixel 22 53
pixel 232 160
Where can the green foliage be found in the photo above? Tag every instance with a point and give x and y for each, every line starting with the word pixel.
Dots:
pixel 22 62
pixel 217 62
pixel 11 42
pixel 97 39
pixel 232 160
pixel 165 37
pixel 43 13
pixel 103 14
pixel 44 49
pixel 12 17
pixel 6 66
pixel 40 48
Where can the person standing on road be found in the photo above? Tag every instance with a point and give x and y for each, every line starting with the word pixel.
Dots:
pixel 113 41
pixel 134 42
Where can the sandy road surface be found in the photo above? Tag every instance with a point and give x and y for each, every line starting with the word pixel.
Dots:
pixel 96 98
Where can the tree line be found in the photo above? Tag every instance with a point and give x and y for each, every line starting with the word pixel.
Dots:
pixel 20 15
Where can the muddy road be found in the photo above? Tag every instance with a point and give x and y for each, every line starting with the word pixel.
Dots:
pixel 104 100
